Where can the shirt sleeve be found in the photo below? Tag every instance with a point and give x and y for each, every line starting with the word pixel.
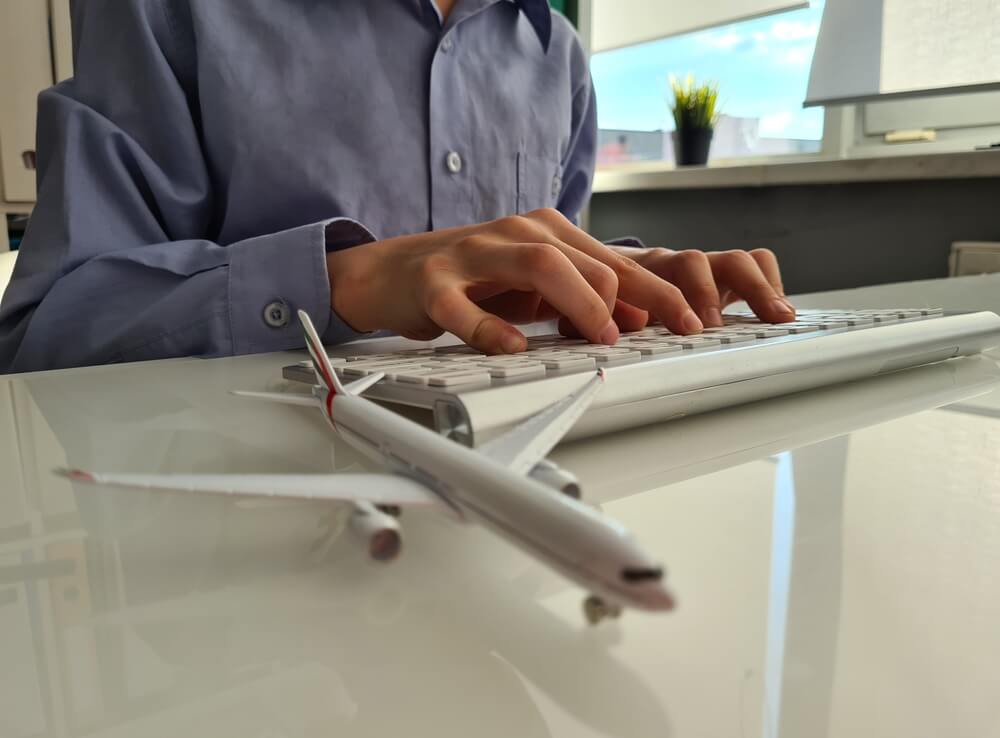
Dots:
pixel 115 265
pixel 581 155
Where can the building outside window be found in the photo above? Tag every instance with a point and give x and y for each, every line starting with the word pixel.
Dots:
pixel 761 67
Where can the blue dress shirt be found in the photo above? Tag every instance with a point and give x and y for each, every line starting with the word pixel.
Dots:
pixel 205 156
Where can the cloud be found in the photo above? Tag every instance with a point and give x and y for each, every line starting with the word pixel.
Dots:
pixel 786 31
pixel 780 34
pixel 775 125
pixel 798 56
pixel 721 40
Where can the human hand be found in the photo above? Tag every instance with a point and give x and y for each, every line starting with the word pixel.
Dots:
pixel 475 281
pixel 712 280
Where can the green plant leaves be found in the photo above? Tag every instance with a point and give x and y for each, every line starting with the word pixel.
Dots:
pixel 694 104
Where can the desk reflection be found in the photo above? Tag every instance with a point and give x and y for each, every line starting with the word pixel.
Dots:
pixel 147 614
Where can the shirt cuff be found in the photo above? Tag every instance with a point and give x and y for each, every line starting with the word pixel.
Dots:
pixel 271 278
pixel 626 241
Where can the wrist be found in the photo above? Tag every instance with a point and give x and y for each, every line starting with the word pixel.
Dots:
pixel 350 274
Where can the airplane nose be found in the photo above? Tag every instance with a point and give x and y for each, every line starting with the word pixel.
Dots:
pixel 659 597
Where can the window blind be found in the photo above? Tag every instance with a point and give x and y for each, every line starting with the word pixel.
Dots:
pixel 618 23
pixel 898 48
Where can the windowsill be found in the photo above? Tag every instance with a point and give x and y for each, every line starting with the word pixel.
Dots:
pixel 799 170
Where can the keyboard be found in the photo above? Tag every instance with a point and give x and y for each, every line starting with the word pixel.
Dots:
pixel 654 375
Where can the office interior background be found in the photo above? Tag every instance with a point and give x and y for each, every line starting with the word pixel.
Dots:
pixel 845 552
pixel 820 186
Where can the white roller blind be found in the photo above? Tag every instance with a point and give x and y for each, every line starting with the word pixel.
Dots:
pixel 877 48
pixel 618 23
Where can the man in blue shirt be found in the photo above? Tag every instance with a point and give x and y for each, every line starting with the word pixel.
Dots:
pixel 403 165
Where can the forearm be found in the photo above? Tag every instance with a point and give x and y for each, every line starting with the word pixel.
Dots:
pixel 169 299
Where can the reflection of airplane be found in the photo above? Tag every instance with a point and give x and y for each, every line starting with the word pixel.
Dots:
pixel 506 485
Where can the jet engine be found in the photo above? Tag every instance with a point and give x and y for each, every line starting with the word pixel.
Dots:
pixel 378 531
pixel 554 476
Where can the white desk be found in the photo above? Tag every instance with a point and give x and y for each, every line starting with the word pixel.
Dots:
pixel 835 556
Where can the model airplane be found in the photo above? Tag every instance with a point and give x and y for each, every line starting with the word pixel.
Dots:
pixel 507 485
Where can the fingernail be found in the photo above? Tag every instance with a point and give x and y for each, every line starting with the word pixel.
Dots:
pixel 691 323
pixel 609 336
pixel 711 316
pixel 791 307
pixel 511 343
pixel 782 306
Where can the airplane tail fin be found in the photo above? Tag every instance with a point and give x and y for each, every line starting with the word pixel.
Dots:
pixel 321 362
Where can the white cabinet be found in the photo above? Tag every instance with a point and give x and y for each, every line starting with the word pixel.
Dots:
pixel 29 51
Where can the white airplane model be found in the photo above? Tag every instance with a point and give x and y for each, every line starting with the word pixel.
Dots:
pixel 506 485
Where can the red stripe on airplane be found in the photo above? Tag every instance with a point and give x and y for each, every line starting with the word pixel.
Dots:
pixel 321 367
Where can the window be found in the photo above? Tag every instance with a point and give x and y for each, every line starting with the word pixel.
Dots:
pixel 761 67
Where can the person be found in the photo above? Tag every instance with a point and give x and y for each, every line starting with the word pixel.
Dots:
pixel 403 165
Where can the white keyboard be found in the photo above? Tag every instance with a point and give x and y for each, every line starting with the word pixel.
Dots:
pixel 474 395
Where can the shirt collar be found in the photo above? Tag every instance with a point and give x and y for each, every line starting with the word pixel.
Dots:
pixel 537 12
pixel 539 15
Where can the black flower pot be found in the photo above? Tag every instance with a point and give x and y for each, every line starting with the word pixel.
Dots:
pixel 691 145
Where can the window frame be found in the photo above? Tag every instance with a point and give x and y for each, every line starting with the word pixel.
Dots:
pixel 831 140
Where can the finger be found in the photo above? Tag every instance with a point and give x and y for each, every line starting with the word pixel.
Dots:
pixel 768 264
pixel 449 307
pixel 629 317
pixel 692 273
pixel 599 276
pixel 636 285
pixel 739 272
pixel 546 312
pixel 545 269
pixel 513 306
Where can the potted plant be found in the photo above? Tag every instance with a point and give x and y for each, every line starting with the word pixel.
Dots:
pixel 695 117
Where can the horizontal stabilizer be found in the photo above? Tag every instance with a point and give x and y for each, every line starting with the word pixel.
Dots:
pixel 284 398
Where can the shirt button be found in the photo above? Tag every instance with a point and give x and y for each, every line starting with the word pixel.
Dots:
pixel 556 186
pixel 447 44
pixel 454 162
pixel 277 314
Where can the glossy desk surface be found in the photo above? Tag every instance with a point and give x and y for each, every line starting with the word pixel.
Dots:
pixel 835 555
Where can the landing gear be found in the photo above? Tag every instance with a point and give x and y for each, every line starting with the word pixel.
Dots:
pixel 596 609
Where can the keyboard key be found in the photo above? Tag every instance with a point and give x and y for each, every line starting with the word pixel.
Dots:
pixel 603 354
pixel 518 371
pixel 511 359
pixel 695 342
pixel 412 376
pixel 826 325
pixel 457 350
pixel 764 331
pixel 452 379
pixel 658 349
pixel 569 363
pixel 361 369
pixel 372 357
pixel 334 361
pixel 417 352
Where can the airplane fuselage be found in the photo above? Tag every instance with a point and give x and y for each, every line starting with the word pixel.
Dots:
pixel 585 546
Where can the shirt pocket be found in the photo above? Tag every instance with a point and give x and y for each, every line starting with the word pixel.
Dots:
pixel 539 182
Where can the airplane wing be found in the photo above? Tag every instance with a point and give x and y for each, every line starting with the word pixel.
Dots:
pixel 378 489
pixel 296 398
pixel 526 444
